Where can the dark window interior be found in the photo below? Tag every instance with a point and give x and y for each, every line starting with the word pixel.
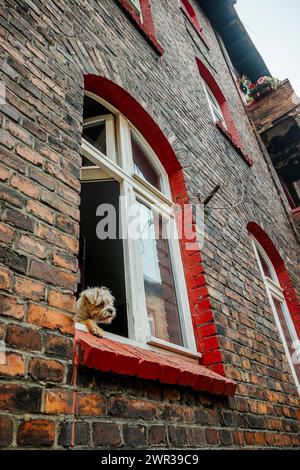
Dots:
pixel 101 262
pixel 283 144
pixel 92 108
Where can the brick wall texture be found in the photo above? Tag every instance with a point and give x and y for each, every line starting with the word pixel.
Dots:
pixel 46 49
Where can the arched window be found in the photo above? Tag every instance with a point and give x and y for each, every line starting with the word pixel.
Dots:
pixel 279 307
pixel 139 258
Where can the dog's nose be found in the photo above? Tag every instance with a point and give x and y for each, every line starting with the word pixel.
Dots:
pixel 110 310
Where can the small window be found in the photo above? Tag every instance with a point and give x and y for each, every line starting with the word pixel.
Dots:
pixel 279 307
pixel 142 165
pixel 144 272
pixel 214 106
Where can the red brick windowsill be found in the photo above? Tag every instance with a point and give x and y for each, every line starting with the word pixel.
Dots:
pixel 112 356
pixel 144 29
pixel 230 139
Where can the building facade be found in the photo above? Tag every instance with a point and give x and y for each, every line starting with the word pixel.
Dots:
pixel 103 98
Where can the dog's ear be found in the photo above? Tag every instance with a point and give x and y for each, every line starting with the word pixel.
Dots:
pixel 85 299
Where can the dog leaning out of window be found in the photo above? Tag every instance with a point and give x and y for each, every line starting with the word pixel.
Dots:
pixel 95 306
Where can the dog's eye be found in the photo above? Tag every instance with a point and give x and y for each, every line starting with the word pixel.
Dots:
pixel 100 304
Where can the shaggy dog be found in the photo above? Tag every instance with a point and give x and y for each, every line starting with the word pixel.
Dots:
pixel 95 305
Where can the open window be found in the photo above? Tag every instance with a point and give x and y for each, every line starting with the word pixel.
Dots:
pixel 280 308
pixel 128 239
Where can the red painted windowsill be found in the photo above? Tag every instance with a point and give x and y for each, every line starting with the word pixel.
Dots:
pixel 147 33
pixel 230 139
pixel 112 356
pixel 198 31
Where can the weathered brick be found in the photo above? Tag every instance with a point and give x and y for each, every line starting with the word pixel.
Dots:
pixel 20 220
pixel 81 434
pixel 123 407
pixel 4 173
pixel 50 318
pixel 134 436
pixel 32 245
pixel 27 288
pixel 46 370
pixel 36 433
pixel 178 435
pixel 157 435
pixel 9 306
pixel 57 238
pixel 25 186
pixel 13 260
pixel 23 338
pixel 62 300
pixel 6 233
pixel 41 178
pixel 40 211
pixel 58 346
pixel 106 434
pixel 54 276
pixel 14 365
pixel 6 431
pixel 5 278
pixel 19 398
pixel 29 154
pixel 58 402
pixel 65 260
pixel 11 196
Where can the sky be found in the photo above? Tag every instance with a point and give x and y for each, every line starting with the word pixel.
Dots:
pixel 274 27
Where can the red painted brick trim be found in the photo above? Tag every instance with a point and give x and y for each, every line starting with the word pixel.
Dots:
pixel 283 276
pixel 202 315
pixel 190 13
pixel 144 23
pixel 112 356
pixel 296 211
pixel 231 133
pixel 229 137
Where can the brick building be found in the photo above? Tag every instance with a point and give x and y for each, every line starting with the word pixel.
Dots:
pixel 140 98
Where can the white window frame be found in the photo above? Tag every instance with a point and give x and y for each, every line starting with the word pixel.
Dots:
pixel 133 187
pixel 136 4
pixel 274 291
pixel 215 109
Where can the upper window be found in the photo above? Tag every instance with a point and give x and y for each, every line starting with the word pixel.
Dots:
pixel 140 12
pixel 214 106
pixel 128 237
pixel 192 16
pixel 279 307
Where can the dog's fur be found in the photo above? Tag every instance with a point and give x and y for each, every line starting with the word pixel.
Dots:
pixel 95 305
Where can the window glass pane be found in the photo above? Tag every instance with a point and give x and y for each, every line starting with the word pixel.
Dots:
pixel 142 165
pixel 161 301
pixel 265 266
pixel 287 334
pixel 95 134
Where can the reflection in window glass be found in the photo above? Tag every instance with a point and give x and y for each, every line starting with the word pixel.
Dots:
pixel 264 265
pixel 161 301
pixel 142 165
pixel 95 134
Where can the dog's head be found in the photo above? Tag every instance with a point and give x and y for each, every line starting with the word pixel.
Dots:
pixel 98 303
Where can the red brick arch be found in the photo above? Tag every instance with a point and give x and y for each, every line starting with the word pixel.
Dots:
pixel 202 315
pixel 282 273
